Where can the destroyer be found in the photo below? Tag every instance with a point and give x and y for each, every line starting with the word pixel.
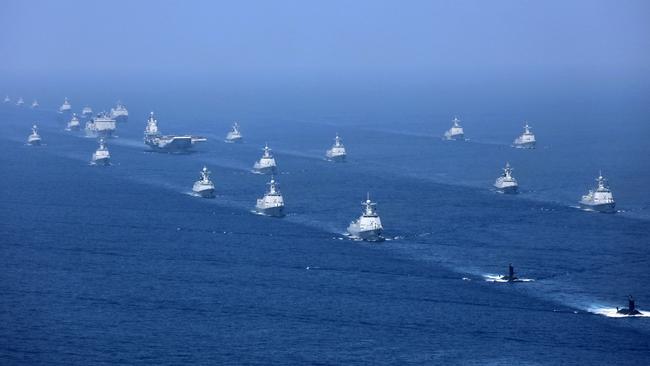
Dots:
pixel 102 125
pixel 73 124
pixel 35 104
pixel 20 102
pixel 266 164
pixel 235 134
pixel 120 113
pixel 455 132
pixel 204 186
pixel 34 139
pixel 631 308
pixel 272 204
pixel 101 156
pixel 167 143
pixel 600 199
pixel 506 183
pixel 337 151
pixel 368 225
pixel 65 107
pixel 526 140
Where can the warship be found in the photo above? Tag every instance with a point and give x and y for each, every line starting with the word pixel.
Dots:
pixel 20 102
pixel 510 277
pixel 34 138
pixel 266 164
pixel 506 183
pixel 87 112
pixel 101 156
pixel 119 113
pixel 235 134
pixel 599 199
pixel 368 225
pixel 337 151
pixel 204 186
pixel 73 124
pixel 65 107
pixel 102 125
pixel 35 104
pixel 272 204
pixel 631 308
pixel 167 143
pixel 526 140
pixel 7 99
pixel 455 132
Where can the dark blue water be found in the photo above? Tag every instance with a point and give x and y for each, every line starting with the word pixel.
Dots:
pixel 122 265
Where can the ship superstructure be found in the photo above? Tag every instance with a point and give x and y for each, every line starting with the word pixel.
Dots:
pixel 204 186
pixel 337 151
pixel 456 132
pixel 101 156
pixel 368 226
pixel 526 140
pixel 266 164
pixel 34 139
pixel 599 199
pixel 506 183
pixel 120 114
pixel 272 204
pixel 235 134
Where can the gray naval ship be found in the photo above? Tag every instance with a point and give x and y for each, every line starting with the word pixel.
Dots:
pixel 65 107
pixel 600 199
pixel 631 309
pixel 73 124
pixel 456 132
pixel 266 164
pixel 168 143
pixel 35 104
pixel 234 136
pixel 101 156
pixel 526 140
pixel 204 186
pixel 368 225
pixel 337 151
pixel 20 102
pixel 272 204
pixel 102 125
pixel 87 112
pixel 120 114
pixel 7 99
pixel 506 183
pixel 34 139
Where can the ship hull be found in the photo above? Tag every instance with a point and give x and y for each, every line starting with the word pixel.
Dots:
pixel 176 145
pixel 277 211
pixel 102 161
pixel 34 142
pixel 234 140
pixel 460 137
pixel 604 207
pixel 366 235
pixel 122 119
pixel 265 170
pixel 336 158
pixel 205 193
pixel 524 145
pixel 508 189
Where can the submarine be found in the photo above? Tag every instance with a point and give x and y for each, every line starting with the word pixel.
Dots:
pixel 631 308
pixel 511 275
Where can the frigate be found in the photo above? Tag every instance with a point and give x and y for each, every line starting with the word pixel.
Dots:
pixel 272 204
pixel 87 112
pixel 337 151
pixel 101 156
pixel 204 186
pixel 34 138
pixel 65 107
pixel 74 124
pixel 526 140
pixel 506 183
pixel 235 134
pixel 20 102
pixel 35 104
pixel 7 99
pixel 600 199
pixel 456 131
pixel 266 164
pixel 368 226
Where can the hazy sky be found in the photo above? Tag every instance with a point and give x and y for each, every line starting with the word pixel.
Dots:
pixel 347 38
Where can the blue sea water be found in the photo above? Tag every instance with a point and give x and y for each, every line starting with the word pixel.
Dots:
pixel 122 265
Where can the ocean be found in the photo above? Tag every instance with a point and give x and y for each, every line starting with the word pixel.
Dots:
pixel 123 265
